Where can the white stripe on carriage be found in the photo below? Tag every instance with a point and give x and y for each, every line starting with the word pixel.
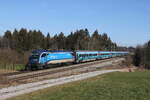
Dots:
pixel 60 61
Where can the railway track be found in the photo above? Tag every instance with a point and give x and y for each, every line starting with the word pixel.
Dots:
pixel 19 77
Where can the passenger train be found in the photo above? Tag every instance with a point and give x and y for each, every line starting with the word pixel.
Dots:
pixel 43 58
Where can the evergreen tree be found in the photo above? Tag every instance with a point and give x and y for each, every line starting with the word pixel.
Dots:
pixel 137 57
pixel 15 39
pixel 22 40
pixel 95 41
pixel 37 39
pixel 85 39
pixel 104 41
pixel 7 39
pixel 55 42
pixel 70 42
pixel 147 56
pixel 48 41
pixel 29 41
pixel 61 41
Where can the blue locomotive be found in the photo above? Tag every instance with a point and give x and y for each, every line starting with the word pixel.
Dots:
pixel 43 58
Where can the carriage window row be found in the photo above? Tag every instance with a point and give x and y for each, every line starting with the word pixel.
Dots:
pixel 84 55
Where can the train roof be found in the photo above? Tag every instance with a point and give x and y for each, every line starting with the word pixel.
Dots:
pixel 50 51
pixel 86 52
pixel 39 51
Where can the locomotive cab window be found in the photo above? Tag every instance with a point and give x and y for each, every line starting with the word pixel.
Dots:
pixel 43 55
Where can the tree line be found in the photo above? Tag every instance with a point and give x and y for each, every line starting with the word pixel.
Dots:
pixel 142 56
pixel 24 40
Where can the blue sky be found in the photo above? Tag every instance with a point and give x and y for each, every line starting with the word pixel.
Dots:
pixel 127 22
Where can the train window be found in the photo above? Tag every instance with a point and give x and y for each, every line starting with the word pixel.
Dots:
pixel 43 55
pixel 34 56
pixel 80 55
pixel 83 55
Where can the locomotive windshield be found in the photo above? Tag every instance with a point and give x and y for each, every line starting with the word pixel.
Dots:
pixel 34 56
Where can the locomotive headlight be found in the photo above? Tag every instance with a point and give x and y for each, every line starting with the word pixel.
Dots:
pixel 35 60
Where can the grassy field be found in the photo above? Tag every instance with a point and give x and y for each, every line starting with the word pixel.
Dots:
pixel 112 86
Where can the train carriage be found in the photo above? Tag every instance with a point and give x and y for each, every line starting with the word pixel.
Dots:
pixel 82 56
pixel 105 54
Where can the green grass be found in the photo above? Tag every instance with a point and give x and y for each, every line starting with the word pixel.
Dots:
pixel 16 67
pixel 112 86
pixel 19 67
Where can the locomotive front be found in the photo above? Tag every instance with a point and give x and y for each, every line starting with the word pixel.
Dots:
pixel 34 60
